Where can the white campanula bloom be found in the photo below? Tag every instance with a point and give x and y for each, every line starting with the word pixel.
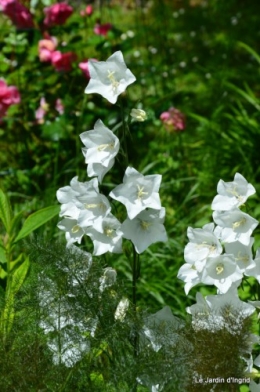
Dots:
pixel 138 192
pixel 94 207
pixel 109 239
pixel 203 243
pixel 232 194
pixel 242 253
pixel 216 312
pixel 189 274
pixel 68 196
pixel 107 279
pixel 221 271
pixel 109 78
pixel 101 145
pixel 98 170
pixel 254 270
pixel 234 225
pixel 145 229
pixel 159 327
pixel 73 232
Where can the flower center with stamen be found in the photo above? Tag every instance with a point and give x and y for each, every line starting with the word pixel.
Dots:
pixel 102 147
pixel 145 225
pixel 75 229
pixel 140 192
pixel 219 268
pixel 237 224
pixel 234 192
pixel 114 82
pixel 243 258
pixel 210 247
pixel 109 232
pixel 90 206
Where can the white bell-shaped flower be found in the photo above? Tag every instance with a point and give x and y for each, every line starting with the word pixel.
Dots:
pixel 235 225
pixel 221 271
pixel 145 229
pixel 138 192
pixel 109 239
pixel 101 144
pixel 109 78
pixel 203 243
pixel 232 194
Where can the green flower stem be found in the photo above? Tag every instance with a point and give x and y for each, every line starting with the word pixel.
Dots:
pixel 125 130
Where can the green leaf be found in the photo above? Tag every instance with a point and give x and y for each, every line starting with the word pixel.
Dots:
pixel 15 223
pixel 19 276
pixel 5 211
pixel 2 255
pixel 250 50
pixel 36 220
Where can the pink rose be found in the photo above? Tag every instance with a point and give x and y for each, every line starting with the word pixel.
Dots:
pixel 57 14
pixel 84 67
pixel 62 61
pixel 102 29
pixel 46 47
pixel 18 13
pixel 173 120
pixel 9 95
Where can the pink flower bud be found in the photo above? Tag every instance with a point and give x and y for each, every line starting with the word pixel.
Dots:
pixel 57 14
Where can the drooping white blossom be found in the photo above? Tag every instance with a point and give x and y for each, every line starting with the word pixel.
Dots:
pixel 94 207
pixel 215 312
pixel 109 238
pixel 232 194
pixel 234 225
pixel 202 244
pixel 68 196
pixel 101 145
pixel 98 170
pixel 242 253
pixel 138 192
pixel 254 270
pixel 108 278
pixel 145 229
pixel 109 78
pixel 73 232
pixel 189 274
pixel 221 271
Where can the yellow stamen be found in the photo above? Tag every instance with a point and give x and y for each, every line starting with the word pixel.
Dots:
pixel 114 82
pixel 239 223
pixel 141 192
pixel 75 229
pixel 219 268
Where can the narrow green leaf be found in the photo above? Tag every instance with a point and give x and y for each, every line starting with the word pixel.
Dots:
pixel 19 276
pixel 15 223
pixel 250 50
pixel 36 220
pixel 5 211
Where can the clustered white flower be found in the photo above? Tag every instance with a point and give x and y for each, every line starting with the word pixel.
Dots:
pixel 220 254
pixel 85 211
